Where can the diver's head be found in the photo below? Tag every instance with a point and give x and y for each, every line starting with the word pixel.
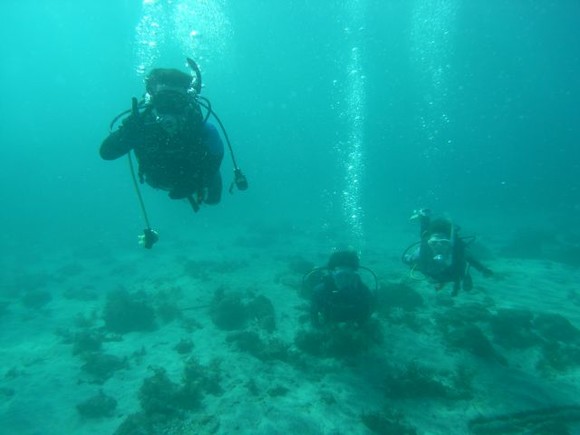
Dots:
pixel 344 259
pixel 440 244
pixel 440 225
pixel 169 90
pixel 441 247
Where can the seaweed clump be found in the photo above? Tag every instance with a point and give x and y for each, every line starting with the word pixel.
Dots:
pixel 231 311
pixel 387 423
pixel 36 299
pixel 228 311
pixel 261 348
pixel 184 346
pixel 164 402
pixel 261 310
pixel 98 406
pixel 125 312
pixel 101 366
pixel 472 339
pixel 420 382
pixel 158 395
pixel 87 341
pixel 557 420
pixel 398 296
pixel 556 328
pixel 339 341
pixel 557 358
pixel 513 329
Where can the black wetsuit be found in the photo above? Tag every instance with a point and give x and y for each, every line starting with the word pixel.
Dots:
pixel 337 302
pixel 186 163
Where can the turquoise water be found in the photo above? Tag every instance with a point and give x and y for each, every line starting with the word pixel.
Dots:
pixel 345 116
pixel 455 104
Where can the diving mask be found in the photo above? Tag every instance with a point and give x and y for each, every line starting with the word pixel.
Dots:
pixel 441 248
pixel 170 101
pixel 344 278
pixel 169 104
pixel 439 244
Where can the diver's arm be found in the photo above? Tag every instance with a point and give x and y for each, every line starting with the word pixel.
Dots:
pixel 423 215
pixel 123 140
pixel 115 145
pixel 316 303
pixel 477 265
pixel 424 221
pixel 420 257
pixel 215 148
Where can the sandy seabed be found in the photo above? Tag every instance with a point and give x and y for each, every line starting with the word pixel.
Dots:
pixel 502 358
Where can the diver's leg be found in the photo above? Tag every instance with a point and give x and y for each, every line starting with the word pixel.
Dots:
pixel 467 282
pixel 214 189
pixel 456 285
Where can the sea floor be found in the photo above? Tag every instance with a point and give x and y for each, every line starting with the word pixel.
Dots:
pixel 210 335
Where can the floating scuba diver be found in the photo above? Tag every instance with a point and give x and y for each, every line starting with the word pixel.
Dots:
pixel 178 150
pixel 442 254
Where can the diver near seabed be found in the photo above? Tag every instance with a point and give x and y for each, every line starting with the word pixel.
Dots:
pixel 338 293
pixel 177 149
pixel 442 255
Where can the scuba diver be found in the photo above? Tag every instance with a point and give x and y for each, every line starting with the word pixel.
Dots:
pixel 339 294
pixel 442 254
pixel 177 149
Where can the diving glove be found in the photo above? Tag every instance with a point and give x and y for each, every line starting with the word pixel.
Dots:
pixel 420 213
pixel 133 124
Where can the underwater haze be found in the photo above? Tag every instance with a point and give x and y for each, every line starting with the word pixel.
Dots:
pixel 464 105
pixel 345 116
